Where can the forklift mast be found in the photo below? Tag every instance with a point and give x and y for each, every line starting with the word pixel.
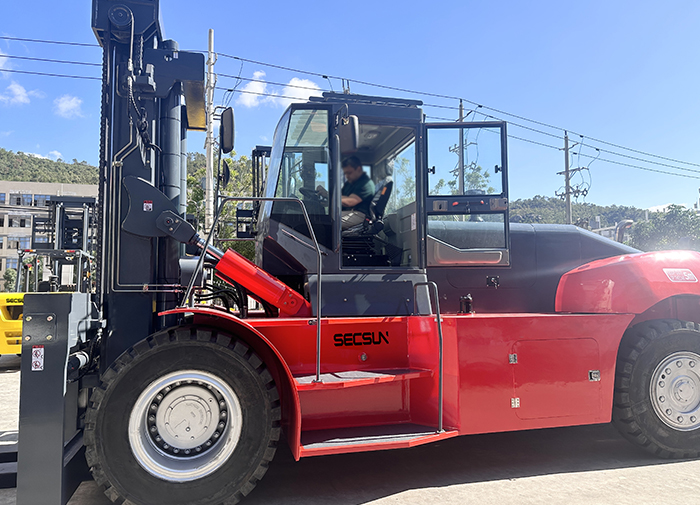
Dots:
pixel 152 93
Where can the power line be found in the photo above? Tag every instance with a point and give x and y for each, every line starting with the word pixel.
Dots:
pixel 586 155
pixel 450 97
pixel 381 86
pixel 83 44
pixel 50 60
pixel 50 75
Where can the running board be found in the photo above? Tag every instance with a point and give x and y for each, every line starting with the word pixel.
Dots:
pixel 339 380
pixel 369 438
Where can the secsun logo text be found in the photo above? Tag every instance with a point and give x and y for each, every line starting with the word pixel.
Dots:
pixel 360 338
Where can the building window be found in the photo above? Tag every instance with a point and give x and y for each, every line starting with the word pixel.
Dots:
pixel 21 199
pixel 2 242
pixel 2 221
pixel 13 242
pixel 11 263
pixel 41 240
pixel 2 198
pixel 19 222
pixel 41 200
pixel 24 242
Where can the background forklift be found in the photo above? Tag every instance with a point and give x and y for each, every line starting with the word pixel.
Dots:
pixel 433 318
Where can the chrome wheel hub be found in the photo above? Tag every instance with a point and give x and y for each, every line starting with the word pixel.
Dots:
pixel 675 391
pixel 185 425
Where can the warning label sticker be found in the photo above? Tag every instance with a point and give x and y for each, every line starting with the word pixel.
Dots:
pixel 680 275
pixel 37 358
pixel 148 205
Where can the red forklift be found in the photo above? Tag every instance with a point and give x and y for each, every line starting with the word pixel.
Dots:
pixel 433 318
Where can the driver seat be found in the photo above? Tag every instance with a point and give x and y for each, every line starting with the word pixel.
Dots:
pixel 373 223
pixel 361 246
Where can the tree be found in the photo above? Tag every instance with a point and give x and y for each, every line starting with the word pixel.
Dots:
pixel 676 228
pixel 240 184
pixel 9 278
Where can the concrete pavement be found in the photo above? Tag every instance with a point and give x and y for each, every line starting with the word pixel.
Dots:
pixel 588 465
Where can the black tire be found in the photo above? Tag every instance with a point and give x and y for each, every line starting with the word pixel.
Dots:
pixel 657 388
pixel 203 368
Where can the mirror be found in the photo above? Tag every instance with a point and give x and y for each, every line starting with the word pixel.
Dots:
pixel 225 175
pixel 349 133
pixel 226 130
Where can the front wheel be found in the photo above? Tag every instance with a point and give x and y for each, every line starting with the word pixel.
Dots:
pixel 657 387
pixel 187 416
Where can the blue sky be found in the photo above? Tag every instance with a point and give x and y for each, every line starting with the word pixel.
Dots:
pixel 621 72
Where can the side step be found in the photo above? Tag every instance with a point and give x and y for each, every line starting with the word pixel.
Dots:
pixel 369 438
pixel 353 378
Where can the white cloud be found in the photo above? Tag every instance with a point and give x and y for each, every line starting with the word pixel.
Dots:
pixel 54 155
pixel 252 93
pixel 6 133
pixel 4 64
pixel 298 90
pixel 15 94
pixel 34 155
pixel 68 106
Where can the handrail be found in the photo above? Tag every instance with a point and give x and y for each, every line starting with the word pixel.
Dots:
pixel 440 343
pixel 319 255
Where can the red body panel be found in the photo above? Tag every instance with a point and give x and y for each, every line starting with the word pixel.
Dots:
pixel 263 285
pixel 551 380
pixel 629 284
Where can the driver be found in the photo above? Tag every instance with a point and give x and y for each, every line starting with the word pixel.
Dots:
pixel 357 193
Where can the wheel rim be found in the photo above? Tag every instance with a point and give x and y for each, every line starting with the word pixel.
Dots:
pixel 675 391
pixel 185 425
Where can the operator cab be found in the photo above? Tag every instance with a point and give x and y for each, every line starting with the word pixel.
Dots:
pixel 418 213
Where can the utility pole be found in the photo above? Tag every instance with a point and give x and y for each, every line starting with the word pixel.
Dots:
pixel 209 142
pixel 461 149
pixel 567 185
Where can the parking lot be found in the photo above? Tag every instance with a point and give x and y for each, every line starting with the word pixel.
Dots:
pixel 580 465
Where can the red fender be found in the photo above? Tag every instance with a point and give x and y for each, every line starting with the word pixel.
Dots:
pixel 628 284
pixel 289 397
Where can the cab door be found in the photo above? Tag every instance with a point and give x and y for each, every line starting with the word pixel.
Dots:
pixel 466 186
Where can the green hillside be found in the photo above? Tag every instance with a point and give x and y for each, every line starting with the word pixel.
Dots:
pixel 23 167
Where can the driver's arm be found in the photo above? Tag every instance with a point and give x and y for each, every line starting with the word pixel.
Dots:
pixel 350 201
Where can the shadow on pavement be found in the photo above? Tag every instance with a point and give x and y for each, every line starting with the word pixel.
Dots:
pixel 361 478
pixel 355 479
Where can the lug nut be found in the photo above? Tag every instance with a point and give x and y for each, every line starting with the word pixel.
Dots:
pixel 662 399
pixel 679 364
pixel 662 384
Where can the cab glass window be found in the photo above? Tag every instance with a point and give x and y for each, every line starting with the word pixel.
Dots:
pixel 464 161
pixel 304 174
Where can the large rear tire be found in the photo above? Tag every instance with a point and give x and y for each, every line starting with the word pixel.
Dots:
pixel 657 388
pixel 187 416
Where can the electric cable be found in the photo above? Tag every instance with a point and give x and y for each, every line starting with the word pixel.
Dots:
pixel 393 88
pixel 83 44
pixel 45 74
pixel 50 60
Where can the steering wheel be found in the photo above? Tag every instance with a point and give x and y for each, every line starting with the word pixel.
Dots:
pixel 313 195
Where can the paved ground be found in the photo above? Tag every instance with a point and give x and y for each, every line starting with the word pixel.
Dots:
pixel 573 466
